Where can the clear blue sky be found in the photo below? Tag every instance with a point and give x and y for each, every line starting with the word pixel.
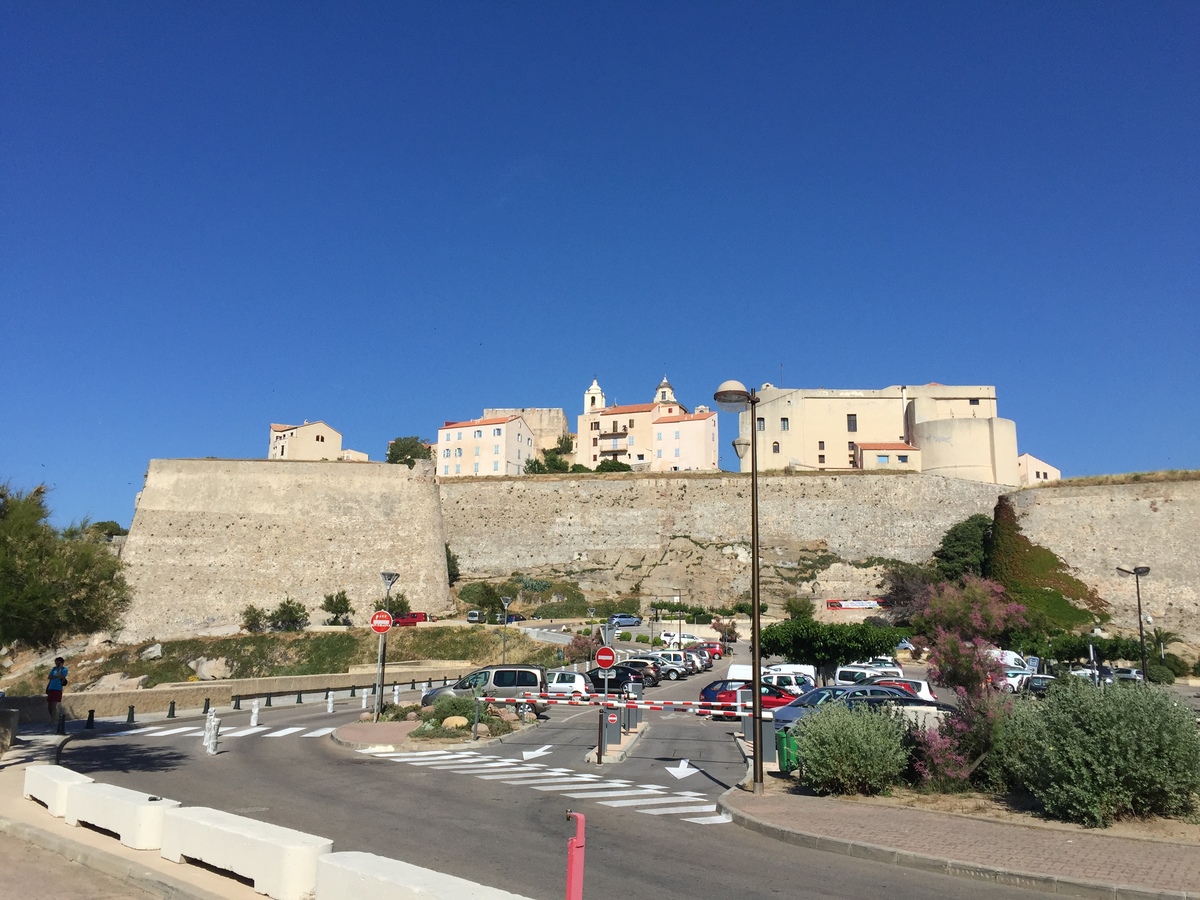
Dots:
pixel 386 215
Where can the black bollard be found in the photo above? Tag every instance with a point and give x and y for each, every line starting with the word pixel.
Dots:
pixel 206 706
pixel 129 721
pixel 268 703
pixel 237 701
pixel 298 700
pixel 445 681
pixel 171 710
pixel 326 697
pixel 62 724
pixel 412 685
pixel 91 722
pixel 351 690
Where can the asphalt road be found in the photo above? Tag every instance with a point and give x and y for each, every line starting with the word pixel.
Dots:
pixel 499 819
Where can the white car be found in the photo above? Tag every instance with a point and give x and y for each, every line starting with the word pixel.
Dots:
pixel 564 681
pixel 1014 680
pixel 794 683
pixel 673 638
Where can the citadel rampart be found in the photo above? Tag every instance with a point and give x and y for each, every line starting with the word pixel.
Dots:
pixel 1094 529
pixel 211 536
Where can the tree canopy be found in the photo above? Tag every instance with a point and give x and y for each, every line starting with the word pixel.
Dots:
pixel 962 551
pixel 53 584
pixel 814 643
pixel 408 450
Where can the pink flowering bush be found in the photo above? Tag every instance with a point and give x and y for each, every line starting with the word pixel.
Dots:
pixel 953 757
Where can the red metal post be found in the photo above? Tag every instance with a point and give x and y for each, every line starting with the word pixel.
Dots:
pixel 575 850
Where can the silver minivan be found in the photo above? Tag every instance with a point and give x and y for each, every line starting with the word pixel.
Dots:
pixel 496 681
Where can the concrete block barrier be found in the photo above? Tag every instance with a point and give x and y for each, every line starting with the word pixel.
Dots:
pixel 136 818
pixel 365 876
pixel 49 784
pixel 281 862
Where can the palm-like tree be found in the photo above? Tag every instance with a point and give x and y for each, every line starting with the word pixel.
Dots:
pixel 1163 638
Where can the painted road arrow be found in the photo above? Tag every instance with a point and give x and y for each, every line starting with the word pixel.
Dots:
pixel 534 754
pixel 683 770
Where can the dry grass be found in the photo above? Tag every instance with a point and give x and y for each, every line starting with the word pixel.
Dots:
pixel 1127 478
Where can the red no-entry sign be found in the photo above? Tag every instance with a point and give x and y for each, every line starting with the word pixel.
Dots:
pixel 381 621
pixel 606 657
pixel 612 718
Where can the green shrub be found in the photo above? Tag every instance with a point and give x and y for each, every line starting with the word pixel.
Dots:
pixel 1157 674
pixel 1177 666
pixel 850 750
pixel 1196 668
pixel 445 707
pixel 645 639
pixel 290 615
pixel 586 632
pixel 625 636
pixel 254 619
pixel 1092 756
pixel 658 642
pixel 496 725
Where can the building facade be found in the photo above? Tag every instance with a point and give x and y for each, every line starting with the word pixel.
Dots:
pixel 486 447
pixel 659 436
pixel 952 431
pixel 1032 470
pixel 548 425
pixel 311 441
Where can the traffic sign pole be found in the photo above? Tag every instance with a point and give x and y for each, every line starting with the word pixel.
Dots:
pixel 381 622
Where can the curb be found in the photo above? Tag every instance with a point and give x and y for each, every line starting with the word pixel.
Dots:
pixel 109 864
pixel 621 755
pixel 412 746
pixel 1050 884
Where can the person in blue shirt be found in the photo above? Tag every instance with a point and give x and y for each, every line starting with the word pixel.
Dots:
pixel 54 688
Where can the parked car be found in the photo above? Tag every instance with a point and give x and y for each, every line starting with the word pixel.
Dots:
pixel 884 665
pixel 914 686
pixel 410 618
pixel 708 694
pixel 714 648
pixel 476 616
pixel 1103 674
pixel 495 681
pixel 1037 685
pixel 624 620
pixel 772 697
pixel 650 672
pixel 794 683
pixel 845 675
pixel 620 677
pixel 1125 673
pixel 564 681
pixel 873 695
pixel 1014 680
pixel 699 661
pixel 514 617
pixel 667 669
pixel 676 658
pixel 795 669
pixel 675 639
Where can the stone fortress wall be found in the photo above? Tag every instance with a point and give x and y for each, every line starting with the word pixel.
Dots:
pixel 211 536
pixel 1094 529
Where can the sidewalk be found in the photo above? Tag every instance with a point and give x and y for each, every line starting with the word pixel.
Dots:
pixel 1073 862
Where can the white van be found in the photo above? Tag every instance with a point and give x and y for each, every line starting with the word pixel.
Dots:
pixel 795 669
pixel 855 674
pixel 1010 660
pixel 674 638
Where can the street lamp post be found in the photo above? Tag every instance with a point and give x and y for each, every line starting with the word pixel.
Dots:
pixel 1137 572
pixel 504 651
pixel 389 579
pixel 733 396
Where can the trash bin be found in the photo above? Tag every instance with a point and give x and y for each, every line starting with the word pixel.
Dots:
pixel 786 752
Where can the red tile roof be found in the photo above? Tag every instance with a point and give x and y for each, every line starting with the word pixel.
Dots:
pixel 689 417
pixel 623 410
pixel 499 421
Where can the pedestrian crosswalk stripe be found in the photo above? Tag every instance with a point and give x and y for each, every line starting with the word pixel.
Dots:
pixel 676 810
pixel 720 819
pixel 176 731
pixel 531 772
pixel 320 732
pixel 633 792
pixel 245 731
pixel 283 732
pixel 584 786
pixel 650 801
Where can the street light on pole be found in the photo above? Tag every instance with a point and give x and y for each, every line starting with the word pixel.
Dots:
pixel 1137 572
pixel 389 579
pixel 504 651
pixel 733 396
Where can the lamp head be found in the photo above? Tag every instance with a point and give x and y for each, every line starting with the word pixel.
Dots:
pixel 740 446
pixel 389 578
pixel 732 396
pixel 1141 570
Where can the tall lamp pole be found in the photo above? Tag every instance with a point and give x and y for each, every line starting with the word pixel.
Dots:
pixel 504 651
pixel 389 578
pixel 1137 572
pixel 733 396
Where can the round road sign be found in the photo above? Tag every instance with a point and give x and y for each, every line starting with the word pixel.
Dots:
pixel 612 718
pixel 606 657
pixel 381 621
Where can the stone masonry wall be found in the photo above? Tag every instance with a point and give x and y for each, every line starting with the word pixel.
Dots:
pixel 1097 528
pixel 662 535
pixel 211 536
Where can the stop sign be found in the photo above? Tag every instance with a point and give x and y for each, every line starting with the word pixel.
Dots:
pixel 381 621
pixel 606 657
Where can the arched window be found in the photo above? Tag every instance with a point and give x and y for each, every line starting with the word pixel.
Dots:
pixel 775 447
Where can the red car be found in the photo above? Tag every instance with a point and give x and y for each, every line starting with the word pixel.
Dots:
pixel 772 697
pixel 411 618
pixel 713 648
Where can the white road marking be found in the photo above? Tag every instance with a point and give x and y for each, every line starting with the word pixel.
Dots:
pixel 146 730
pixel 532 773
pixel 650 801
pixel 596 785
pixel 721 819
pixel 677 810
pixel 632 792
pixel 320 732
pixel 255 730
pixel 283 732
pixel 176 730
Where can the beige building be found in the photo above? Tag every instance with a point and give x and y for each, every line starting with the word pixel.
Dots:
pixel 489 447
pixel 310 441
pixel 952 431
pixel 547 425
pixel 1032 470
pixel 660 436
